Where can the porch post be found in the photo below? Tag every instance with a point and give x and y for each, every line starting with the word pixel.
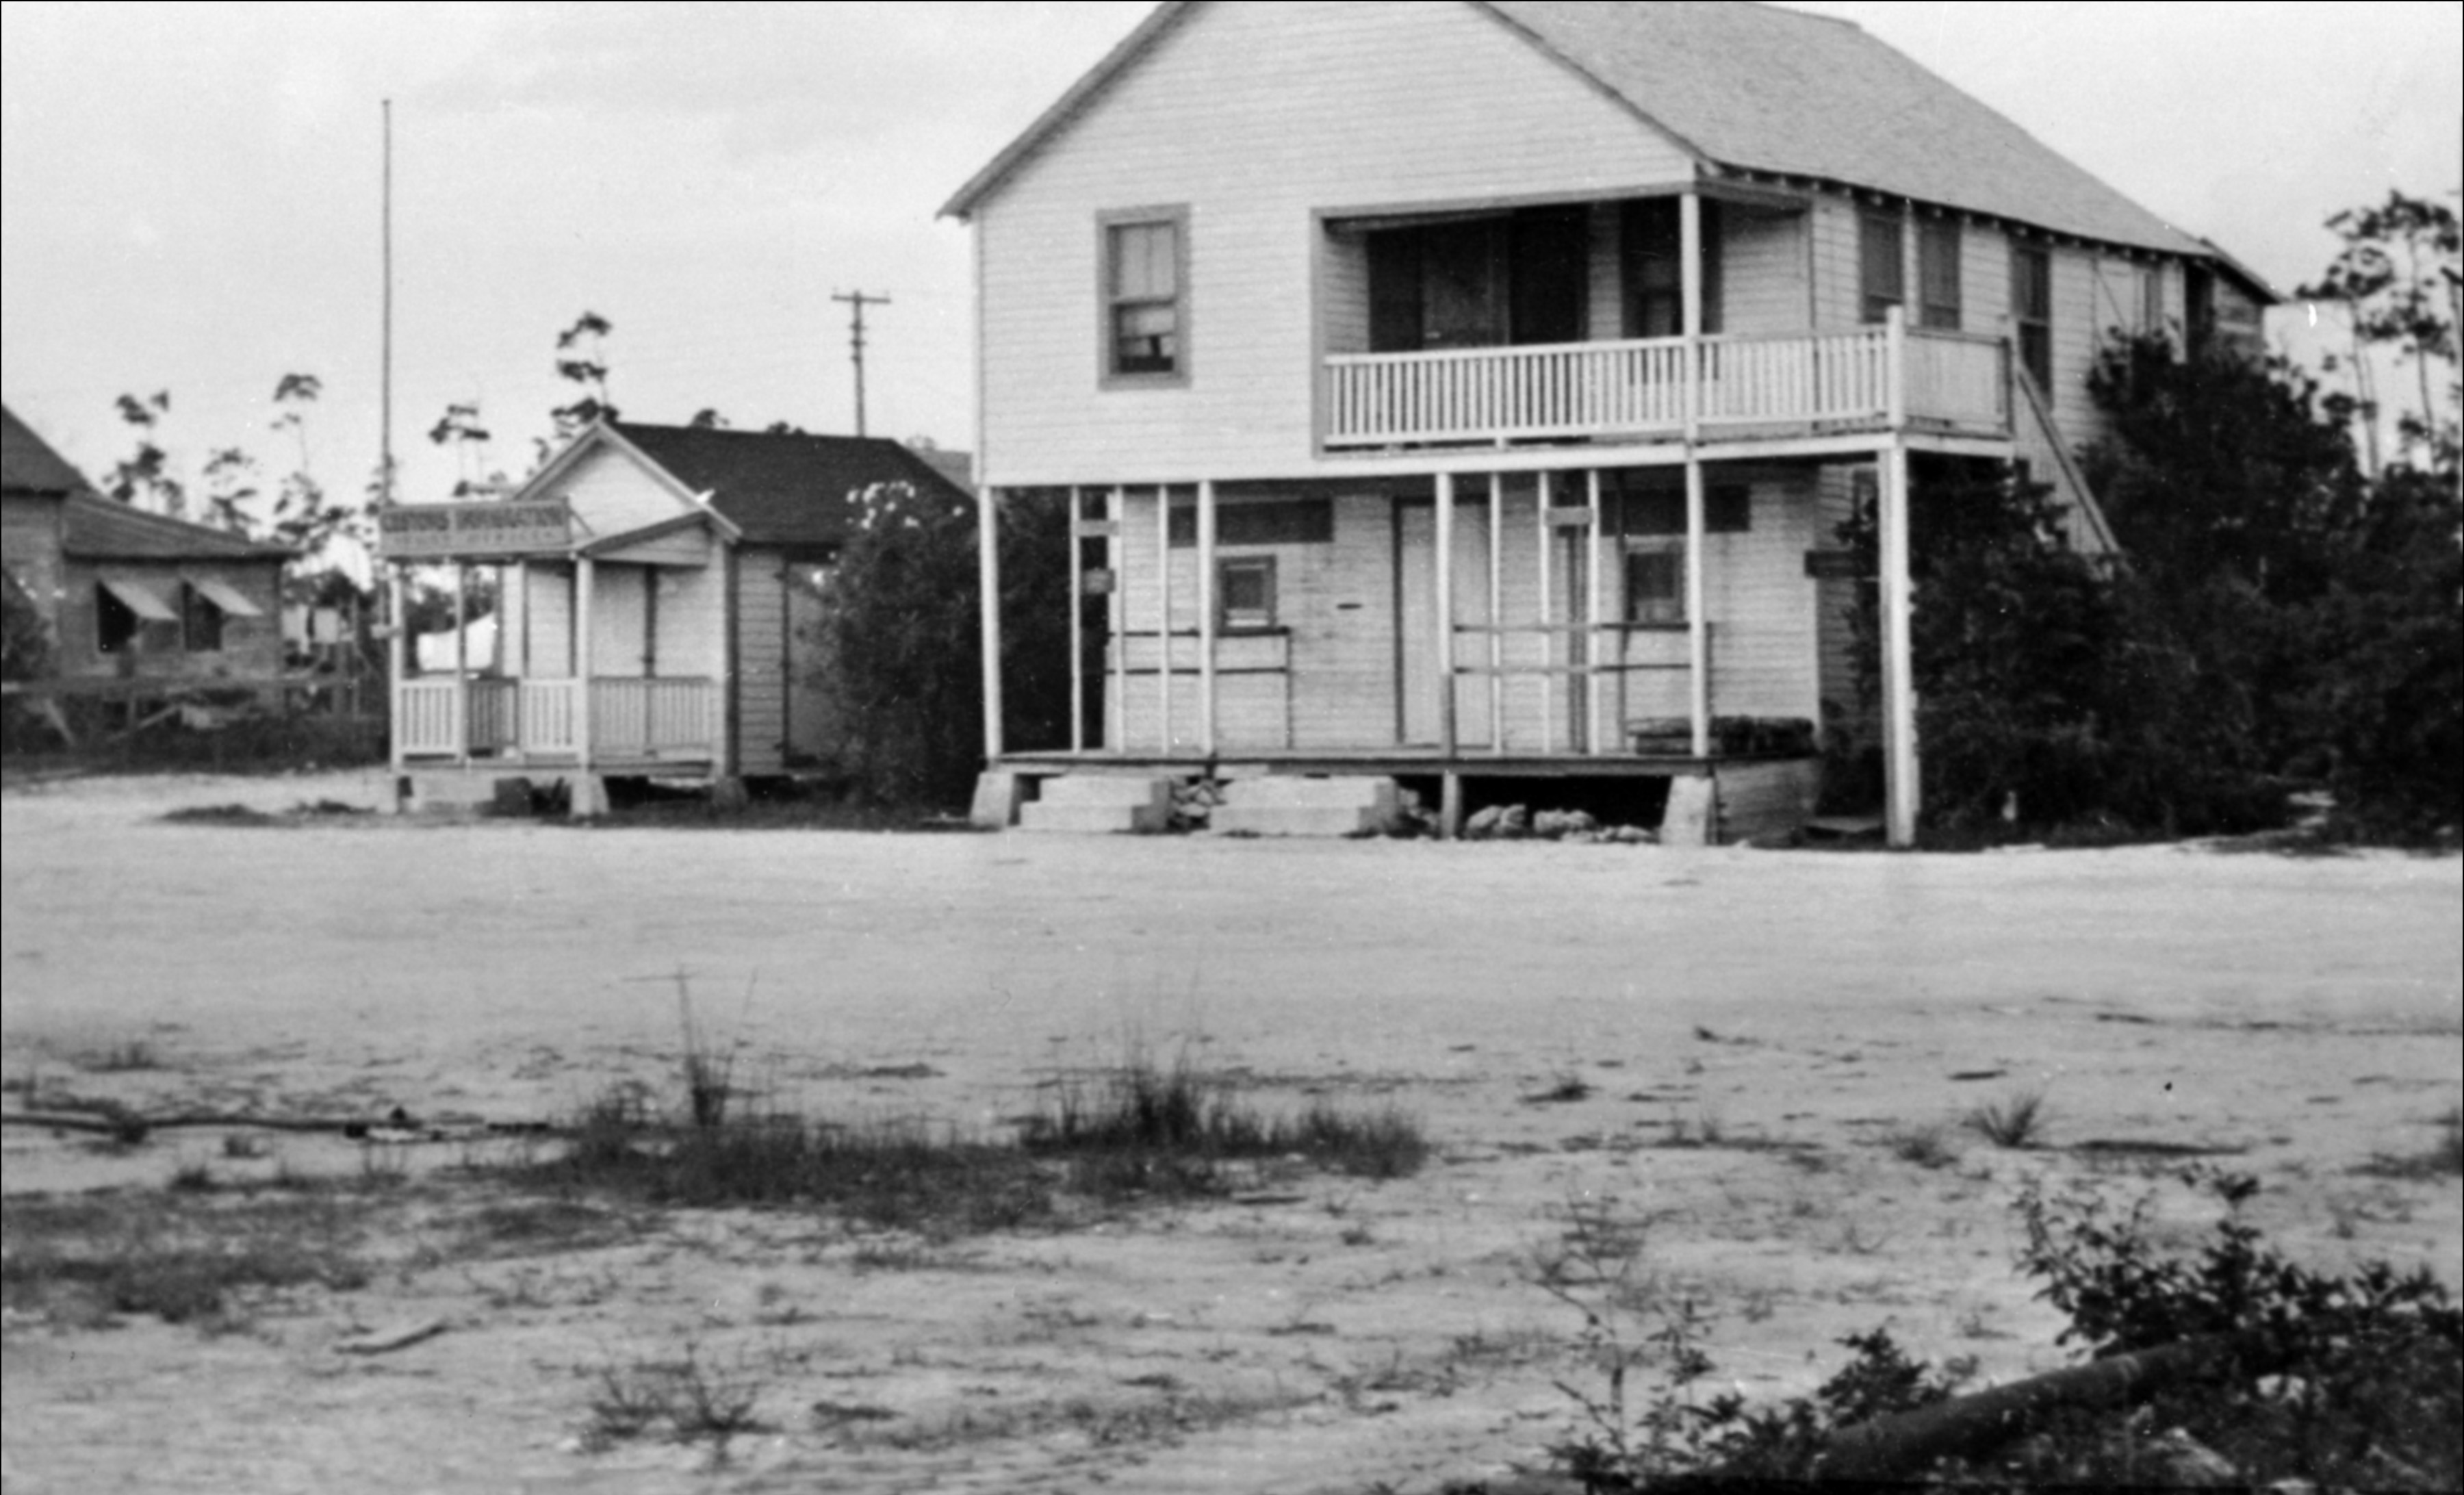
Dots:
pixel 1900 773
pixel 1596 616
pixel 1077 574
pixel 1163 615
pixel 1116 609
pixel 1206 604
pixel 585 601
pixel 1542 491
pixel 1445 619
pixel 462 659
pixel 988 585
pixel 1698 628
pixel 1690 269
pixel 397 660
pixel 1497 614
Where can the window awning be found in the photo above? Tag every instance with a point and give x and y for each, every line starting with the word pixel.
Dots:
pixel 141 599
pixel 229 598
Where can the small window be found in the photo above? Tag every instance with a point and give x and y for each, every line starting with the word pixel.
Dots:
pixel 115 623
pixel 2031 310
pixel 1882 275
pixel 200 622
pixel 1727 509
pixel 1145 325
pixel 1287 521
pixel 1938 274
pixel 1245 592
pixel 1655 582
pixel 2151 300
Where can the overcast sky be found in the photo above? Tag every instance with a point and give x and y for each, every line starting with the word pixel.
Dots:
pixel 190 193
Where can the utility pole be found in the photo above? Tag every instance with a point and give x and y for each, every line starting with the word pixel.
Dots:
pixel 855 340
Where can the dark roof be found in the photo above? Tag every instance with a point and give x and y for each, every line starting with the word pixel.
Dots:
pixel 28 464
pixel 101 529
pixel 1759 88
pixel 785 489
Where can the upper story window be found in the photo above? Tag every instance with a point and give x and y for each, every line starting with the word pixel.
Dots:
pixel 1938 274
pixel 2031 310
pixel 1146 297
pixel 1881 265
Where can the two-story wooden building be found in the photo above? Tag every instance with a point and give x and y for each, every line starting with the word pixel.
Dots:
pixel 1464 391
pixel 659 589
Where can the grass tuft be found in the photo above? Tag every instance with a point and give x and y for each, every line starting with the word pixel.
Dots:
pixel 1926 1147
pixel 2016 1123
pixel 1133 1133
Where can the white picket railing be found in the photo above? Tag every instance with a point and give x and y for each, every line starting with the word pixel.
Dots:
pixel 672 718
pixel 1640 388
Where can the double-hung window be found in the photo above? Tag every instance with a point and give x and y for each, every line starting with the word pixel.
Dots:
pixel 1938 274
pixel 1146 297
pixel 1882 271
pixel 2031 310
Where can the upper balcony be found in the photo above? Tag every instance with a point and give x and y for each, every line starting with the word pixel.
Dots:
pixel 1645 320
pixel 1662 388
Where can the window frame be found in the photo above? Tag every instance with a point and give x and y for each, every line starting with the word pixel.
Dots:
pixel 1874 302
pixel 1261 620
pixel 1667 612
pixel 1940 257
pixel 2031 269
pixel 1111 304
pixel 202 622
pixel 117 630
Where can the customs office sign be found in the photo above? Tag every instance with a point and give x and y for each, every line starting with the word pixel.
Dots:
pixel 443 531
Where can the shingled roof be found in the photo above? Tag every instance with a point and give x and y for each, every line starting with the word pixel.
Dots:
pixel 1758 88
pixel 785 490
pixel 28 464
pixel 100 529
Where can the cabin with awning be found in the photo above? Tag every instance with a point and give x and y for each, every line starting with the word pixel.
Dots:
pixel 130 595
pixel 1467 398
pixel 659 590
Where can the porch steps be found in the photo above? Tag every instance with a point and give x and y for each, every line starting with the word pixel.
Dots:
pixel 1287 805
pixel 1100 804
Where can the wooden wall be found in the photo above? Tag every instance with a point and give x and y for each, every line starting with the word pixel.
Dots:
pixel 30 546
pixel 252 646
pixel 1356 624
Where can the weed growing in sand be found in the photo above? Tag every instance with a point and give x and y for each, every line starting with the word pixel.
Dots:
pixel 1131 1135
pixel 1563 1088
pixel 692 1397
pixel 2016 1122
pixel 1926 1147
pixel 184 1257
pixel 128 1056
pixel 2441 1159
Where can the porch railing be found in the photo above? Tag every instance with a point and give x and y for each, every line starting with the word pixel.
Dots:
pixel 523 719
pixel 1640 390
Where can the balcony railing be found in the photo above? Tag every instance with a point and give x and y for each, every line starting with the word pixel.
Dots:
pixel 1654 388
pixel 541 720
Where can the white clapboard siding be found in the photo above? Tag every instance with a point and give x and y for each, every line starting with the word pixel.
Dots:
pixel 692 621
pixel 619 628
pixel 1253 116
pixel 547 618
pixel 1835 605
pixel 611 494
pixel 1762 271
pixel 760 661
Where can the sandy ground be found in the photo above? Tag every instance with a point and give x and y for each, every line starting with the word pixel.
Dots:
pixel 2303 1013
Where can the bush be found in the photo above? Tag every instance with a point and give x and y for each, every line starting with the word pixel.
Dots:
pixel 902 642
pixel 2257 1371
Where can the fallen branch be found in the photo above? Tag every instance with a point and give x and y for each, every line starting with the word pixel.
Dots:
pixel 1966 1427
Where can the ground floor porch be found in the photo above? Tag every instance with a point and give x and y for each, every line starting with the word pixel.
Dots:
pixel 1641 615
